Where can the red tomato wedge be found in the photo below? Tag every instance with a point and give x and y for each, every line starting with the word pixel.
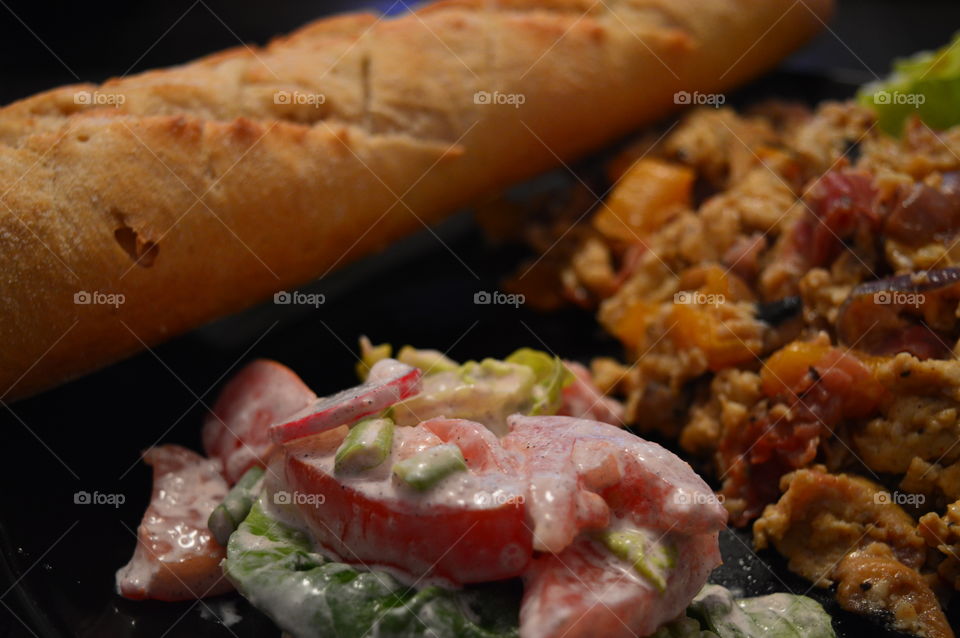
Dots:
pixel 539 488
pixel 389 382
pixel 176 557
pixel 637 479
pixel 586 591
pixel 238 431
pixel 469 528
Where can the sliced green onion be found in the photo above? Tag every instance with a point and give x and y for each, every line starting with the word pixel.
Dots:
pixel 551 377
pixel 425 469
pixel 367 445
pixel 651 559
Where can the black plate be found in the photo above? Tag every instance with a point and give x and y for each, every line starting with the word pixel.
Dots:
pixel 86 436
pixel 59 557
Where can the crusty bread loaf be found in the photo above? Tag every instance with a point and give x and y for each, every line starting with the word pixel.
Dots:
pixel 199 190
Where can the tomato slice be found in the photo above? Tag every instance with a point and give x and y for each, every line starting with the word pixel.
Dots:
pixel 636 478
pixel 469 528
pixel 550 485
pixel 586 591
pixel 176 557
pixel 237 431
pixel 389 382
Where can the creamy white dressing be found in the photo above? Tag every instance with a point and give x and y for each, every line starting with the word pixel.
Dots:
pixel 489 393
pixel 368 437
pixel 588 579
pixel 222 611
pixel 289 515
pixel 466 490
pixel 386 370
pixel 244 458
pixel 596 466
pixel 287 603
pixel 680 495
pixel 280 509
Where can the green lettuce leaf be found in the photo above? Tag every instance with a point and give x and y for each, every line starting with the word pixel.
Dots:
pixel 773 616
pixel 275 567
pixel 551 375
pixel 927 84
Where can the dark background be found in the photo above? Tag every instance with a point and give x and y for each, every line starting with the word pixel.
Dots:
pixel 87 435
pixel 45 44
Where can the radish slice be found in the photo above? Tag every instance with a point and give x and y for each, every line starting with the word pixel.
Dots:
pixel 389 381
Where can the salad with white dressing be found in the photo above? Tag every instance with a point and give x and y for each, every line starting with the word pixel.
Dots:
pixel 483 499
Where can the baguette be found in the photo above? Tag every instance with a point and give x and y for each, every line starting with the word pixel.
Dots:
pixel 141 208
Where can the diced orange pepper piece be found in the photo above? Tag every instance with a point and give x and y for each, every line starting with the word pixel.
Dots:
pixel 631 328
pixel 695 327
pixel 844 374
pixel 716 281
pixel 787 367
pixel 650 191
